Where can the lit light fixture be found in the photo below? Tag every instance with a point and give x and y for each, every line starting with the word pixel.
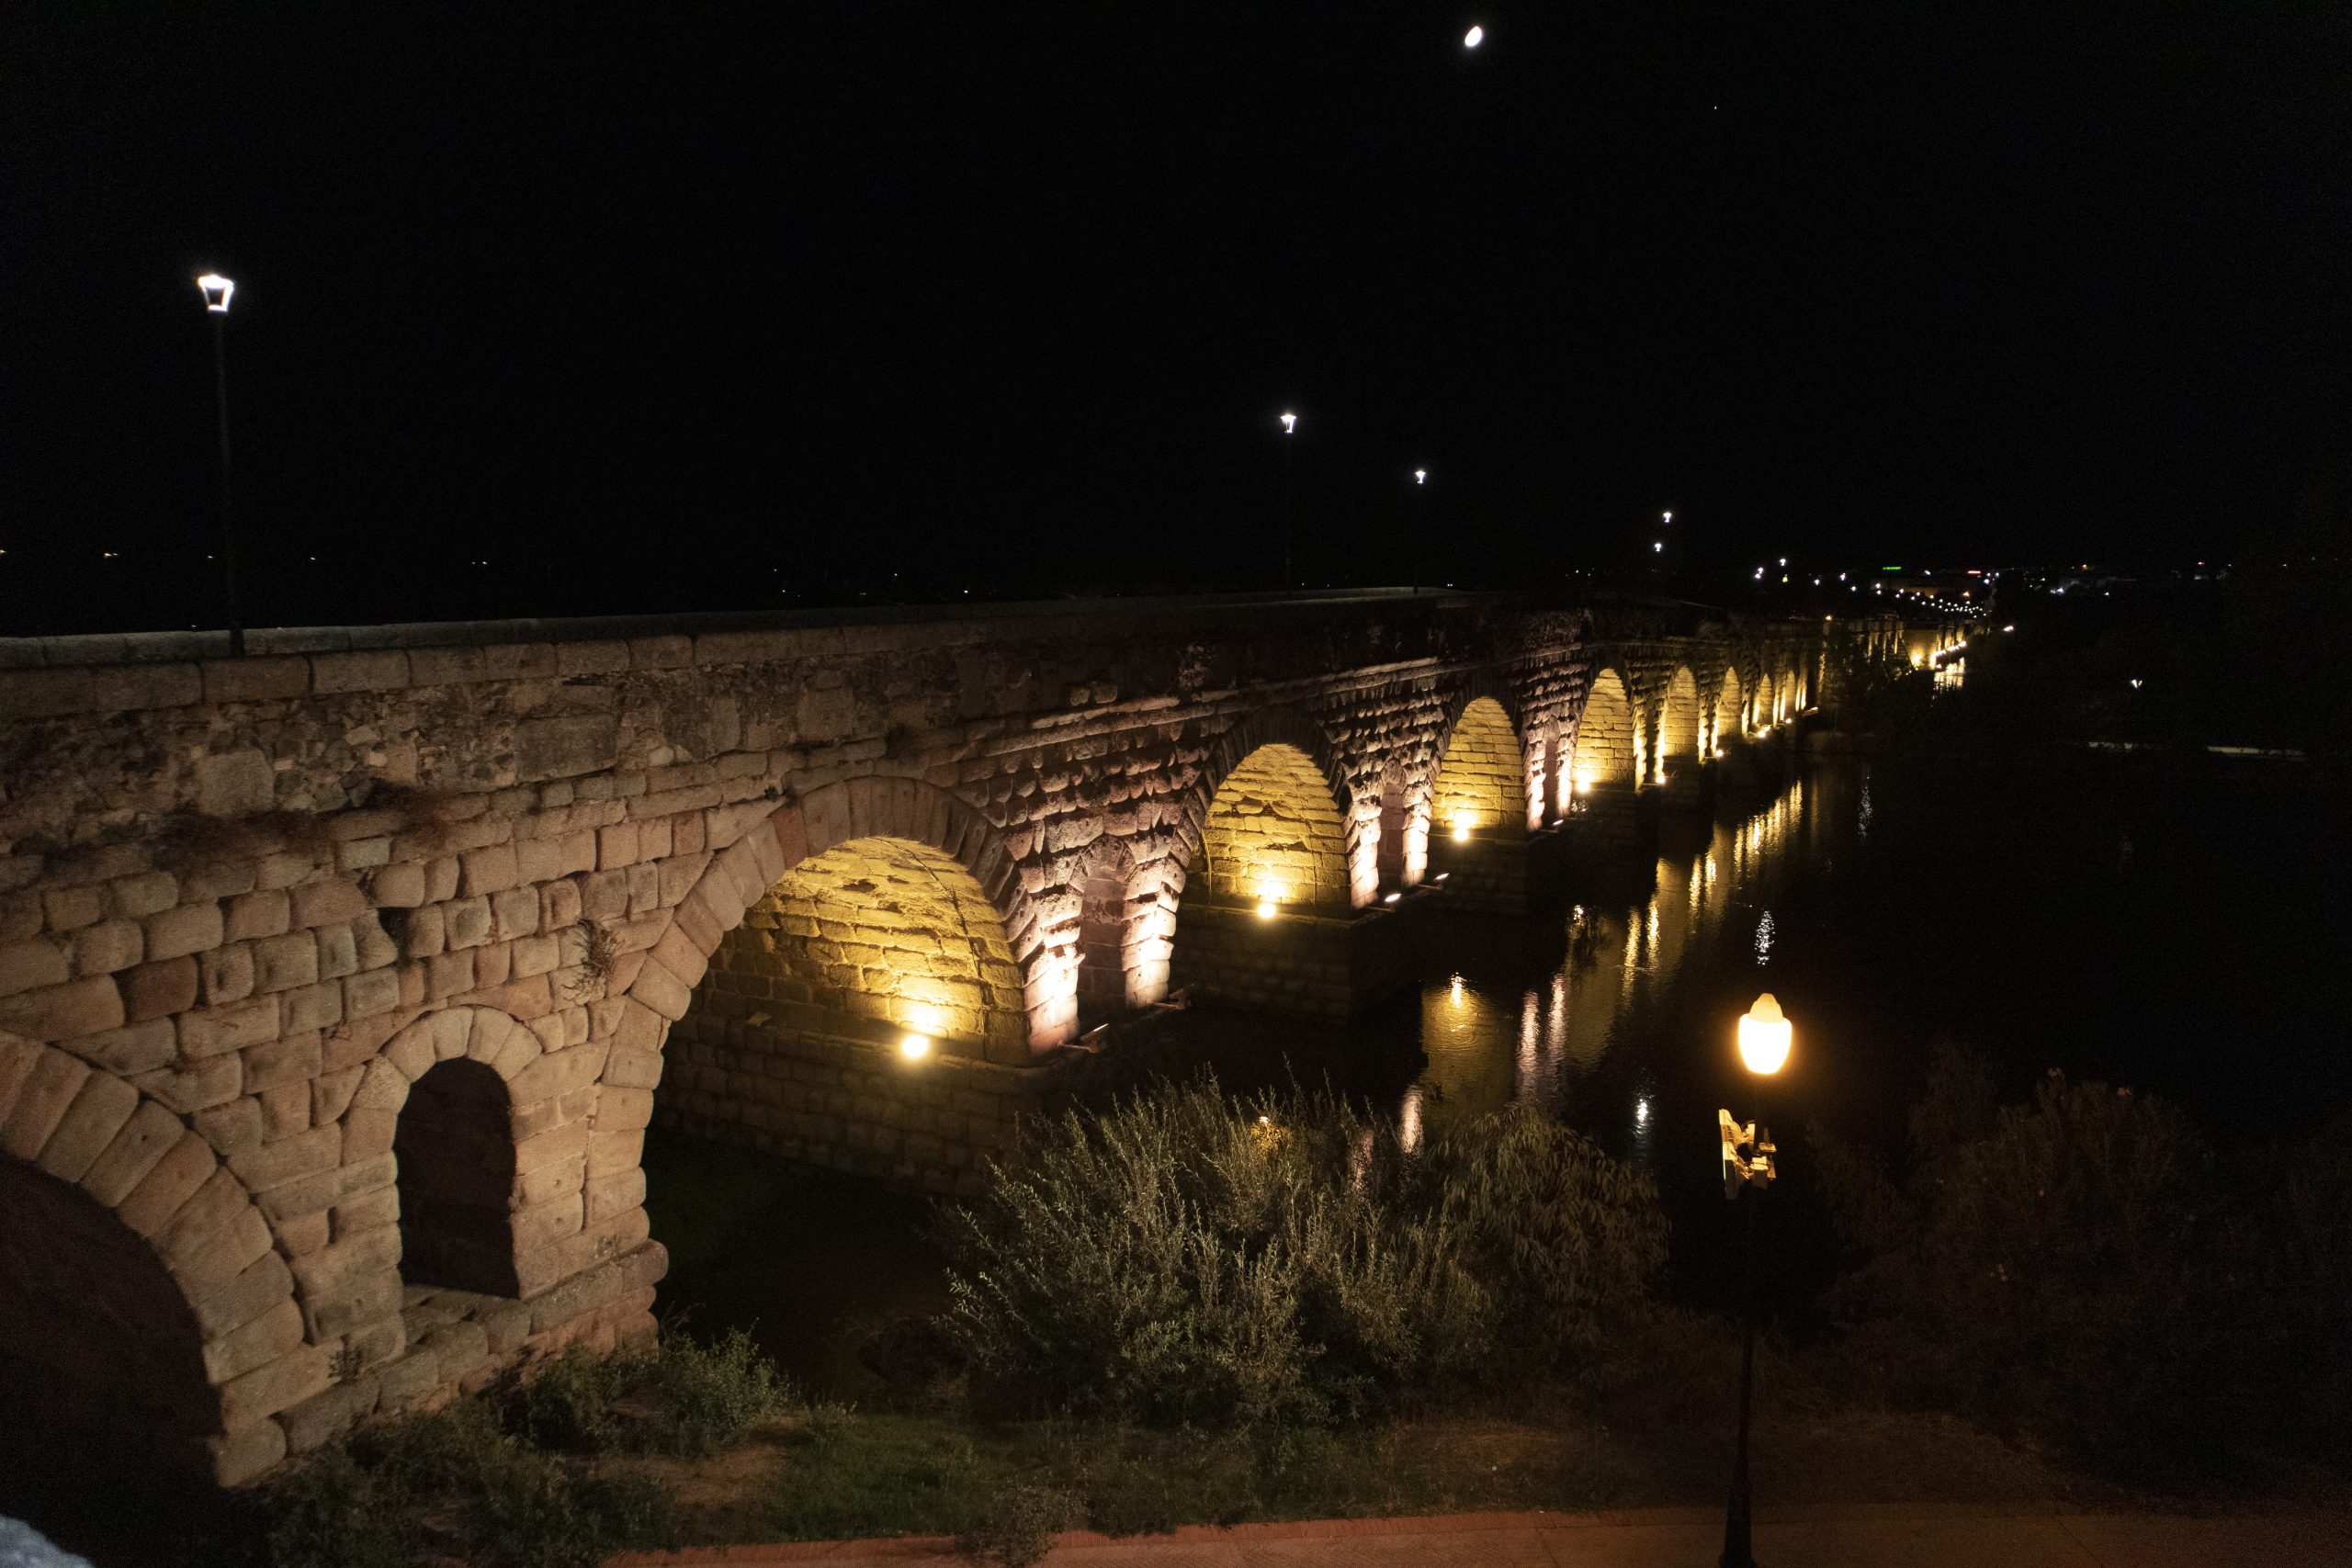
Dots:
pixel 1420 475
pixel 1764 1035
pixel 1474 38
pixel 1461 821
pixel 1392 897
pixel 217 291
pixel 1669 517
pixel 1289 424
pixel 914 1047
pixel 1659 545
pixel 1266 909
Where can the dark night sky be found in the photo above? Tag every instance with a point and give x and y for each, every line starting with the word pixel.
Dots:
pixel 675 306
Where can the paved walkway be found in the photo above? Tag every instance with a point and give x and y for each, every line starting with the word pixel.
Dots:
pixel 1870 1536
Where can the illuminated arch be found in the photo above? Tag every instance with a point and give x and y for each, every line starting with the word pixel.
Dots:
pixel 919 814
pixel 139 1284
pixel 873 939
pixel 1113 959
pixel 1481 784
pixel 1727 719
pixel 1760 702
pixel 1273 832
pixel 1678 720
pixel 1607 754
pixel 1317 793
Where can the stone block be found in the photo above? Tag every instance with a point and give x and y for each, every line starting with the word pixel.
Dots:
pixel 375 947
pixel 284 1109
pixel 254 679
pixel 466 922
pixel 624 1110
pixel 490 869
pixel 66 1012
pixel 259 914
pixel 187 1090
pixel 514 913
pixel 557 1073
pixel 189 928
pixel 336 901
pixel 367 1134
pixel 428 933
pixel 267 1164
pixel 254 1290
pixel 255 1344
pixel 365 1210
pixel 269 1389
pixel 142 893
pixel 410 1381
pixel 245 1453
pixel 208 1031
pixel 226 974
pixel 233 1125
pixel 171 1181
pixel 313 1008
pixel 328 1414
pixel 374 669
pixel 107 947
pixel 42 1102
pixel 236 784
pixel 396 887
pixel 71 909
pixel 158 990
pixel 338 951
pixel 29 965
pixel 282 962
pixel 304 1233
pixel 145 1139
pixel 364 854
pixel 332 1093
pixel 371 994
pixel 100 1110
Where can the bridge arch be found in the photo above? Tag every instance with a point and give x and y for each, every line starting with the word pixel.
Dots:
pixel 1607 744
pixel 144 1308
pixel 1271 812
pixel 1117 967
pixel 1724 716
pixel 913 846
pixel 1480 783
pixel 1678 721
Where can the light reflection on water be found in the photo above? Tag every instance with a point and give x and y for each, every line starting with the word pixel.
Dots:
pixel 1491 1039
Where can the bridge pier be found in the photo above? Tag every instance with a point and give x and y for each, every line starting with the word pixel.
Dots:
pixel 1296 964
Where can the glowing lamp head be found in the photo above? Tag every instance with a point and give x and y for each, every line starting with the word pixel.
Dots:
pixel 1658 546
pixel 1290 424
pixel 1474 38
pixel 914 1047
pixel 1764 1037
pixel 1462 825
pixel 217 291
pixel 1266 909
pixel 1420 475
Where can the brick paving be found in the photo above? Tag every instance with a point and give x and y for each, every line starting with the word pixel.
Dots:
pixel 1868 1536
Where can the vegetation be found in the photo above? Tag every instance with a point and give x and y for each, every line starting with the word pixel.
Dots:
pixel 2081 1271
pixel 1878 694
pixel 1282 1260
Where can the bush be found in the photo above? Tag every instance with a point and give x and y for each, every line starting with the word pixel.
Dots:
pixel 1187 1258
pixel 330 1513
pixel 2051 1268
pixel 714 1392
pixel 1017 1526
pixel 570 1401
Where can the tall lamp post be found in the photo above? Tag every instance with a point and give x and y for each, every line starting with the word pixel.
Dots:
pixel 217 291
pixel 1421 524
pixel 1764 1039
pixel 1290 516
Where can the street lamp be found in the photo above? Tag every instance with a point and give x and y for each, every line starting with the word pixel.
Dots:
pixel 1290 526
pixel 1764 1039
pixel 217 291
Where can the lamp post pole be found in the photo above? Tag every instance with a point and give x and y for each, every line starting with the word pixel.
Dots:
pixel 1748 1157
pixel 1290 513
pixel 217 291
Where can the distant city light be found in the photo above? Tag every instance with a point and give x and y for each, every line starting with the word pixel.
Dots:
pixel 1420 475
pixel 1474 38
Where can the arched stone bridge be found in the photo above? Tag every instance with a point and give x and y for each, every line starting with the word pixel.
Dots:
pixel 339 983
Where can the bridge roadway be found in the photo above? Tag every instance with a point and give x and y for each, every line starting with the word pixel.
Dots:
pixel 339 982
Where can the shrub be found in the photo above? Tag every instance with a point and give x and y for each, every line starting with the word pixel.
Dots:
pixel 1017 1526
pixel 714 1392
pixel 2047 1268
pixel 569 1401
pixel 1187 1258
pixel 329 1513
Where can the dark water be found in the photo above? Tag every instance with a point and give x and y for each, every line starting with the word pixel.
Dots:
pixel 2115 919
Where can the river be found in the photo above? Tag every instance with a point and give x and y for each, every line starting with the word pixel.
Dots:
pixel 2108 917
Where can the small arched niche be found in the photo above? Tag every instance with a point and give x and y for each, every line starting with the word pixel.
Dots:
pixel 454 1150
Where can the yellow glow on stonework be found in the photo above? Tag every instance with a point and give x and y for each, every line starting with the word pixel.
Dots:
pixel 875 939
pixel 1482 779
pixel 1275 834
pixel 914 1047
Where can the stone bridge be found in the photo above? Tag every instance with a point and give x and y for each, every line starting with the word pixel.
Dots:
pixel 340 982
